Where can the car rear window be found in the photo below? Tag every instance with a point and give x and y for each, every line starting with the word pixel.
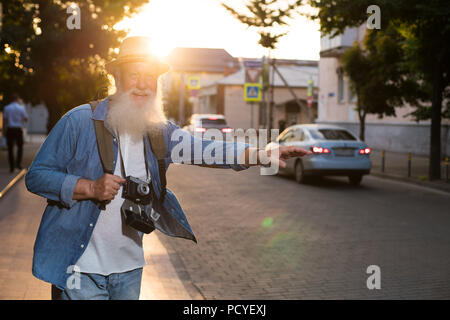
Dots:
pixel 213 122
pixel 331 134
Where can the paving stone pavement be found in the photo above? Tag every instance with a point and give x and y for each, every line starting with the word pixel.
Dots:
pixel 20 215
pixel 266 237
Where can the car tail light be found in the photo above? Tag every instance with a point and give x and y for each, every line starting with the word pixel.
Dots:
pixel 227 130
pixel 320 150
pixel 365 151
pixel 200 129
pixel 212 118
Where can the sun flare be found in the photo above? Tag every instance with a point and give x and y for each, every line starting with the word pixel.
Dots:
pixel 206 24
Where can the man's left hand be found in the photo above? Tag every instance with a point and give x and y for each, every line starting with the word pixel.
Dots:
pixel 278 154
pixel 286 152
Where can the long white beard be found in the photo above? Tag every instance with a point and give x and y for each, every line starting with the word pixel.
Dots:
pixel 136 119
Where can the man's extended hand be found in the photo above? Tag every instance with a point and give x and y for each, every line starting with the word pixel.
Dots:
pixel 283 153
pixel 278 154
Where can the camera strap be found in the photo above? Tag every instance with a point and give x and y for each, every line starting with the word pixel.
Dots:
pixel 122 165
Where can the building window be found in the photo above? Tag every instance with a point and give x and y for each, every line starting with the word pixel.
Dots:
pixel 351 95
pixel 341 85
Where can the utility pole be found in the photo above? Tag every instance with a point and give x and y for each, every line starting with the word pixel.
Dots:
pixel 251 115
pixel 263 110
pixel 302 106
pixel 181 110
pixel 272 85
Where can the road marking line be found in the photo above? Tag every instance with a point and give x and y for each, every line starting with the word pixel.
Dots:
pixel 12 182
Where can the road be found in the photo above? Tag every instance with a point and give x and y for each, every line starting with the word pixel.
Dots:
pixel 266 237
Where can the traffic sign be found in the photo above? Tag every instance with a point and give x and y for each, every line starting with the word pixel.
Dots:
pixel 252 75
pixel 310 87
pixel 193 83
pixel 253 64
pixel 252 92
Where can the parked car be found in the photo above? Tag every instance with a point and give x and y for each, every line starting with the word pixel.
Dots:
pixel 336 152
pixel 201 123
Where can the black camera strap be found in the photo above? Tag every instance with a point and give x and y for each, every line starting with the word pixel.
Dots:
pixel 122 166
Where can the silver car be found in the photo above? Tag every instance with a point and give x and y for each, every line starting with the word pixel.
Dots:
pixel 336 152
pixel 200 123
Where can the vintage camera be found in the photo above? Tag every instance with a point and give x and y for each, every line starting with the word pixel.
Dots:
pixel 137 194
pixel 137 191
pixel 136 217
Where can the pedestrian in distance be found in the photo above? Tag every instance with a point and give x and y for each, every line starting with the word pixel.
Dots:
pixel 14 117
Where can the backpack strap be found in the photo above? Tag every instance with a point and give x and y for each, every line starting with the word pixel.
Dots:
pixel 104 142
pixel 158 146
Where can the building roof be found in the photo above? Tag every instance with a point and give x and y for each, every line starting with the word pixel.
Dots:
pixel 295 76
pixel 201 60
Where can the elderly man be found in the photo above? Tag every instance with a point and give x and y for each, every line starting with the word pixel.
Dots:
pixel 89 254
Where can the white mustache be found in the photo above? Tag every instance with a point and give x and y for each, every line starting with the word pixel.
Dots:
pixel 141 92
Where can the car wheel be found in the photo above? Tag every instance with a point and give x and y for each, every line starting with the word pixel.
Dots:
pixel 355 180
pixel 300 176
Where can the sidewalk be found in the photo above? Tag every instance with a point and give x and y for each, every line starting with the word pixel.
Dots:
pixel 396 167
pixel 20 215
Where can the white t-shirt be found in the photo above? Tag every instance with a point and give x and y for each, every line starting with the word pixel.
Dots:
pixel 115 247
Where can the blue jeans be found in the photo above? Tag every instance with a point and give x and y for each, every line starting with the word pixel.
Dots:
pixel 116 286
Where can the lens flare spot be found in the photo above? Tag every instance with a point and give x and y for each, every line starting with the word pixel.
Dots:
pixel 267 222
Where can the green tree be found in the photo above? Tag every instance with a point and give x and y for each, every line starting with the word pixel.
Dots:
pixel 425 28
pixel 378 76
pixel 58 66
pixel 16 27
pixel 264 15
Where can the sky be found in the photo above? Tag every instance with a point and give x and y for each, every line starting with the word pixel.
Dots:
pixel 206 24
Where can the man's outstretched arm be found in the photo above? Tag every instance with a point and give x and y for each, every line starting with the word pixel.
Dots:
pixel 255 157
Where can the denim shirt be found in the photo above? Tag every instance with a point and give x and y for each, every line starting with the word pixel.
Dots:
pixel 70 153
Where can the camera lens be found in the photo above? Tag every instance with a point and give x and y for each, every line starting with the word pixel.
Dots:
pixel 143 189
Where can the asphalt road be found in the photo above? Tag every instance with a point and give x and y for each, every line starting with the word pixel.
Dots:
pixel 266 237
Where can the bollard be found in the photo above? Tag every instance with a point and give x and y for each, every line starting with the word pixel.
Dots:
pixel 446 169
pixel 409 165
pixel 382 160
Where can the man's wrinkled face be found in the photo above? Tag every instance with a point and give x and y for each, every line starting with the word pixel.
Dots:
pixel 139 79
pixel 136 107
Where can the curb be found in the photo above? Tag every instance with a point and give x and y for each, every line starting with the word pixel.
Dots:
pixel 412 181
pixel 13 182
pixel 192 289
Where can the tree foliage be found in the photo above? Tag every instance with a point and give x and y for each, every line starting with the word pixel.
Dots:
pixel 50 63
pixel 264 15
pixel 425 28
pixel 378 76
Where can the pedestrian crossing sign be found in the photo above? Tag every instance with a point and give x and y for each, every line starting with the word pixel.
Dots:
pixel 193 83
pixel 252 92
